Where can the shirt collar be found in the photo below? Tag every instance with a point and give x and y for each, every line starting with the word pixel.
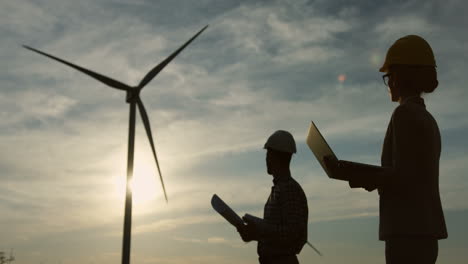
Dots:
pixel 414 99
pixel 281 178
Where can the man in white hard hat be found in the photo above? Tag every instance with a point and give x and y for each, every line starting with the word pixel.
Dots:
pixel 282 232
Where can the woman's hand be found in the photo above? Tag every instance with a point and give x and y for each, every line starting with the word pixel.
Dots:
pixel 334 167
pixel 354 175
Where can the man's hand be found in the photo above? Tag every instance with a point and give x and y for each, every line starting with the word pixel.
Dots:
pixel 247 232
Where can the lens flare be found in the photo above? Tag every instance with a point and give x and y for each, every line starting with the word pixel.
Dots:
pixel 375 59
pixel 342 78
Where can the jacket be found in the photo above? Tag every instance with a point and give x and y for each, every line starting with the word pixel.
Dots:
pixel 409 192
pixel 408 181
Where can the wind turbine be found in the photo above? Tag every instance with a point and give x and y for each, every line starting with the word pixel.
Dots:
pixel 133 98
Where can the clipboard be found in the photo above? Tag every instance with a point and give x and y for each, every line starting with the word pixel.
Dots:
pixel 225 211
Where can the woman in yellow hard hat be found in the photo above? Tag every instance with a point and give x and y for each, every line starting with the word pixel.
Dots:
pixel 411 216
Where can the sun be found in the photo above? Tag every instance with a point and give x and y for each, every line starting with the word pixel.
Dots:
pixel 143 185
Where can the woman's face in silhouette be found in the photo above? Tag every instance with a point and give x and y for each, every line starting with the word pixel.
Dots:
pixel 393 88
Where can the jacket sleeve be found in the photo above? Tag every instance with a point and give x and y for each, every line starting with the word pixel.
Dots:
pixel 407 155
pixel 361 176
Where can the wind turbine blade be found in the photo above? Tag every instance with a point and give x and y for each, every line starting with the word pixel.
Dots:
pixel 106 80
pixel 144 117
pixel 151 74
pixel 316 250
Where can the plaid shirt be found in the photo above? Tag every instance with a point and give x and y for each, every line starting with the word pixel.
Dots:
pixel 283 230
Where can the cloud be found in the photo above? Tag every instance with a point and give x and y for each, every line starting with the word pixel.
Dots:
pixel 190 259
pixel 18 17
pixel 217 240
pixel 395 27
pixel 270 33
pixel 42 104
pixel 169 224
pixel 211 240
pixel 190 240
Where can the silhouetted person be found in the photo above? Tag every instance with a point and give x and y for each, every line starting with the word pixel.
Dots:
pixel 411 216
pixel 282 232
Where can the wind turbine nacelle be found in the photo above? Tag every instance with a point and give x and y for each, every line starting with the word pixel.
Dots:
pixel 132 94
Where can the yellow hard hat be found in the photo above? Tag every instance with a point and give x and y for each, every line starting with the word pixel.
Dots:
pixel 409 50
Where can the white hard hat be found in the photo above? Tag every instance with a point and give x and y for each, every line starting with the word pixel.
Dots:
pixel 282 141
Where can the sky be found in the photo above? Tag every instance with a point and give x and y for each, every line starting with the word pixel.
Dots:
pixel 260 66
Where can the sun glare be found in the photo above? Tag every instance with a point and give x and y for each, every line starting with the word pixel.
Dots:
pixel 143 185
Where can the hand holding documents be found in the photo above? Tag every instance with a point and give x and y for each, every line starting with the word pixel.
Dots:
pixel 225 211
pixel 248 218
pixel 323 152
pixel 335 168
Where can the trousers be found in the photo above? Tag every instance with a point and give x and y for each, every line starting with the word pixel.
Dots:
pixel 402 250
pixel 289 259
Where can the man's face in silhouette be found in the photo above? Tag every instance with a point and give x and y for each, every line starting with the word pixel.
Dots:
pixel 277 162
pixel 269 162
pixel 274 161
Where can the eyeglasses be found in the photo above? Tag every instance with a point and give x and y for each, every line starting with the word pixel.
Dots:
pixel 386 78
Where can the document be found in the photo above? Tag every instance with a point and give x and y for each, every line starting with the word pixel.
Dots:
pixel 225 211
